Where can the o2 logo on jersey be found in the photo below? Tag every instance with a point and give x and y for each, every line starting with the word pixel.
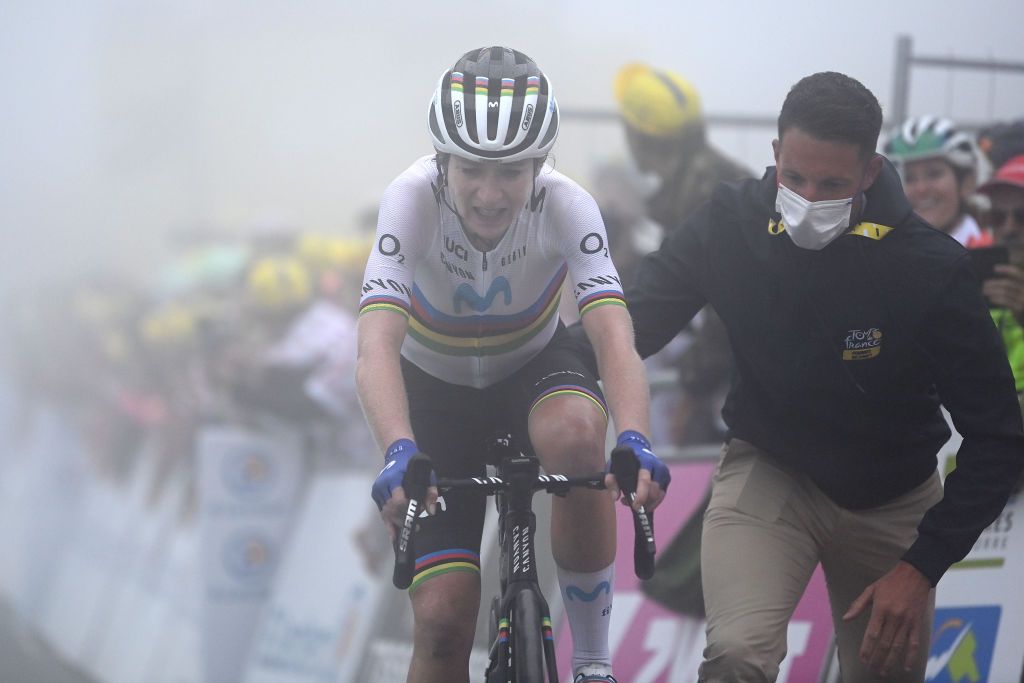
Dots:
pixel 389 245
pixel 963 639
pixel 592 243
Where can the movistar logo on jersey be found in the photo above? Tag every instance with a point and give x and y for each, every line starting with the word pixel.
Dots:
pixel 862 344
pixel 466 294
pixel 963 640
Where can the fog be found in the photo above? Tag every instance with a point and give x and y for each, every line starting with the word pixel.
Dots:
pixel 124 121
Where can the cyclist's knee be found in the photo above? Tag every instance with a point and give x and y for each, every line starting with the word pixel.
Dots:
pixel 571 441
pixel 445 617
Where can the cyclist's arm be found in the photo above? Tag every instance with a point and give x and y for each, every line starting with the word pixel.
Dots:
pixel 610 332
pixel 379 375
pixel 406 208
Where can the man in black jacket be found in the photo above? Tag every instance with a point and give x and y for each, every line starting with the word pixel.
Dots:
pixel 851 320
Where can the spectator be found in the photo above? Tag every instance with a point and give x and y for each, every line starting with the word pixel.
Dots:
pixel 665 133
pixel 1005 190
pixel 1002 141
pixel 939 165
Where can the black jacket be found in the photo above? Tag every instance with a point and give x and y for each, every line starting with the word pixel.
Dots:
pixel 843 355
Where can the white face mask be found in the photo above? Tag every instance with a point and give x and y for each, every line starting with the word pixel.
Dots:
pixel 812 225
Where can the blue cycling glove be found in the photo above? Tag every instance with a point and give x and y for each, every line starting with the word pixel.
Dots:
pixel 648 460
pixel 395 461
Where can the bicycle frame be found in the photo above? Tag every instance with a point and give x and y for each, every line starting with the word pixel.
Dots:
pixel 517 525
pixel 522 645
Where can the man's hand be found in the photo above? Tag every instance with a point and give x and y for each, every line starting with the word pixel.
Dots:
pixel 387 489
pixel 1007 290
pixel 898 602
pixel 652 479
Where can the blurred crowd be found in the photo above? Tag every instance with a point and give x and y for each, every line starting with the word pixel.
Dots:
pixel 229 331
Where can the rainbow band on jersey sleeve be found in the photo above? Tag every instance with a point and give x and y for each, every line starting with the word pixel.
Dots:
pixel 595 299
pixel 384 303
pixel 443 562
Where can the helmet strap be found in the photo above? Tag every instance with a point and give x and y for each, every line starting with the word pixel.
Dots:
pixel 441 185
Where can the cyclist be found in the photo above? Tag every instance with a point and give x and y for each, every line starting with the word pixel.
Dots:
pixel 458 335
pixel 939 167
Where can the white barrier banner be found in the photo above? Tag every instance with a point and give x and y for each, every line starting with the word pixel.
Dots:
pixel 978 632
pixel 325 600
pixel 249 483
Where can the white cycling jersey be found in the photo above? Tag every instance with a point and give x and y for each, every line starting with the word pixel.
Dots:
pixel 476 317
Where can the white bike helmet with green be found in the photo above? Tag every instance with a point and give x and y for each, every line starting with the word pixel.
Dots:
pixel 930 137
pixel 494 104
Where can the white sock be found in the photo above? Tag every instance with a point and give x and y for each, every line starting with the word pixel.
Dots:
pixel 587 597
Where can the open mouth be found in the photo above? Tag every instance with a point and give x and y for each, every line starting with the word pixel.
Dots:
pixel 488 215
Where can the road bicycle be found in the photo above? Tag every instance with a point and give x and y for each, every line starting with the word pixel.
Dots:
pixel 522 646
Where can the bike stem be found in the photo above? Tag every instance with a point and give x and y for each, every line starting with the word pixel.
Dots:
pixel 520 523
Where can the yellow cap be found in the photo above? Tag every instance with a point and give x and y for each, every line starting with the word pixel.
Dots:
pixel 169 325
pixel 278 282
pixel 655 102
pixel 321 252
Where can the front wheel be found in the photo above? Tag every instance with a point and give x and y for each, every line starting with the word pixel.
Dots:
pixel 525 624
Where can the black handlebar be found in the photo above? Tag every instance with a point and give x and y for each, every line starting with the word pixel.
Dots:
pixel 415 483
pixel 624 466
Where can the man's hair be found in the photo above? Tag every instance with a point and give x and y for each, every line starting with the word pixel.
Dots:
pixel 832 106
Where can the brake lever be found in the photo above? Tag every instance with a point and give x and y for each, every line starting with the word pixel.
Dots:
pixel 626 469
pixel 415 483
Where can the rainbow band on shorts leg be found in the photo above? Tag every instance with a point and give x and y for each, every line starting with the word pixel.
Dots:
pixel 546 628
pixel 571 390
pixel 443 562
pixel 503 630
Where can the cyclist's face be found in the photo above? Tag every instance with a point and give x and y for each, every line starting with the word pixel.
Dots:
pixel 488 194
pixel 934 192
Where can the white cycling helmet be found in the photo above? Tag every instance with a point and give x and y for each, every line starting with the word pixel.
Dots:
pixel 930 137
pixel 494 104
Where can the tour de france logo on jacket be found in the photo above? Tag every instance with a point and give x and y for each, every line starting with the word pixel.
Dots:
pixel 862 344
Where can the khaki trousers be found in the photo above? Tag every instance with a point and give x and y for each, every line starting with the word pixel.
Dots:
pixel 765 531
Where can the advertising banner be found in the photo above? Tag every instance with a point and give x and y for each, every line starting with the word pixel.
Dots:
pixel 249 482
pixel 315 626
pixel 978 634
